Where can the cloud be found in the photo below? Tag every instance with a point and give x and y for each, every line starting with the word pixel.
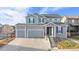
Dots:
pixel 44 10
pixel 47 9
pixel 56 9
pixel 13 15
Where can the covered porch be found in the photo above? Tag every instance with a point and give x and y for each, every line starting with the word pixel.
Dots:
pixel 56 30
pixel 73 30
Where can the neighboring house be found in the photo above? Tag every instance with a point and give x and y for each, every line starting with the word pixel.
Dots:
pixel 6 29
pixel 73 22
pixel 1 34
pixel 42 25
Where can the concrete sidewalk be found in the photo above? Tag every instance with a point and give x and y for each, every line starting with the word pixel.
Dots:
pixel 32 43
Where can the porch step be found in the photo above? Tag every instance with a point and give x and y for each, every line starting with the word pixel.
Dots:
pixel 52 42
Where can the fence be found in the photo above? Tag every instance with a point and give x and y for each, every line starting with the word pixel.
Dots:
pixel 7 38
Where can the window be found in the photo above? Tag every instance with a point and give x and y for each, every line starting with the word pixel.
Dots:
pixel 59 29
pixel 33 20
pixel 39 20
pixel 29 20
pixel 43 20
pixel 55 19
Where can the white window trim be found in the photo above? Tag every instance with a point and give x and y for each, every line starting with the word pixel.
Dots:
pixel 59 29
pixel 41 20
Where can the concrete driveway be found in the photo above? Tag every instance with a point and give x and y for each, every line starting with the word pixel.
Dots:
pixel 18 48
pixel 24 44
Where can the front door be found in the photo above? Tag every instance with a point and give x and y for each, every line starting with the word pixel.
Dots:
pixel 49 31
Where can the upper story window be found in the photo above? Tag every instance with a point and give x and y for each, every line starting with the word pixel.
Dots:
pixel 55 19
pixel 31 20
pixel 41 20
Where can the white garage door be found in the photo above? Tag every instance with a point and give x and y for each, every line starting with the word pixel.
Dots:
pixel 35 33
pixel 20 33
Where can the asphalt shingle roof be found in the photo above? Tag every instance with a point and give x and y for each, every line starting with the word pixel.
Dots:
pixel 51 15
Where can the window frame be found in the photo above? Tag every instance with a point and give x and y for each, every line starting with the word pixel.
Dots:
pixel 59 29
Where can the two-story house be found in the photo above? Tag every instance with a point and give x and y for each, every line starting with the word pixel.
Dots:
pixel 42 25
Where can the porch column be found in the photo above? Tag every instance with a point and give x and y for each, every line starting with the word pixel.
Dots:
pixel 52 31
pixel 45 32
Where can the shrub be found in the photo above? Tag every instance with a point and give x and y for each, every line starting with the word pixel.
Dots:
pixel 66 44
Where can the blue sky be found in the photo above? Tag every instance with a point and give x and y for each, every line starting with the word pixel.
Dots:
pixel 14 15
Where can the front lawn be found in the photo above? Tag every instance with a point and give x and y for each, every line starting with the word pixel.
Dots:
pixel 68 44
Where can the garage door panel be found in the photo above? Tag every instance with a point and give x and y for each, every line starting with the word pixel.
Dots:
pixel 21 33
pixel 35 33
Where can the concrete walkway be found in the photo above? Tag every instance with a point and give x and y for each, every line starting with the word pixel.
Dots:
pixel 76 41
pixel 40 43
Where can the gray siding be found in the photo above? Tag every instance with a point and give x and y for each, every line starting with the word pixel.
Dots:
pixel 64 34
pixel 35 26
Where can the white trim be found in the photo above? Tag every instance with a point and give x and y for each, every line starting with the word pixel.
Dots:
pixel 25 31
pixel 52 31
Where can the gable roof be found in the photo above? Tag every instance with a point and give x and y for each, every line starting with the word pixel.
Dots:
pixel 20 24
pixel 72 17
